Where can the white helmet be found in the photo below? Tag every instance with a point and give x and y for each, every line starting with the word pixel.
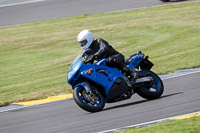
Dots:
pixel 85 38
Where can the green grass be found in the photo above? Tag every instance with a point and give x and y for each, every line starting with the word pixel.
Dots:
pixel 191 125
pixel 35 57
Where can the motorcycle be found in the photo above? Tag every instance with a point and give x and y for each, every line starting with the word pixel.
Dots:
pixel 95 84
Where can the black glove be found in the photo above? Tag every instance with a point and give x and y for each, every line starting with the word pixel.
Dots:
pixel 90 59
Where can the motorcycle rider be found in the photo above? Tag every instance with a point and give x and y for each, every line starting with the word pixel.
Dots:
pixel 99 49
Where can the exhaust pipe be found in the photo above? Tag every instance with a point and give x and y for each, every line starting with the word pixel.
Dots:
pixel 144 79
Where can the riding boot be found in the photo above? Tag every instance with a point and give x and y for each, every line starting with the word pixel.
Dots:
pixel 130 72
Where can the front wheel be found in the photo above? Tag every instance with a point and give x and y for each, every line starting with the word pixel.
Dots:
pixel 90 102
pixel 152 89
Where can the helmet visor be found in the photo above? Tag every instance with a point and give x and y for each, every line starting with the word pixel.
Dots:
pixel 83 43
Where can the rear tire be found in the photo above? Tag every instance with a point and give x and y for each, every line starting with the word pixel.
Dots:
pixel 82 100
pixel 153 89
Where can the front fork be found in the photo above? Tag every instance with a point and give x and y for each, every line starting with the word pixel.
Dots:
pixel 90 91
pixel 87 86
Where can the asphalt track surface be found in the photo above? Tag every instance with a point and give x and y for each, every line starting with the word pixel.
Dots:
pixel 181 96
pixel 51 9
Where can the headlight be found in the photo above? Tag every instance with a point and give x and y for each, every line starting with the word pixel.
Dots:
pixel 70 74
pixel 76 64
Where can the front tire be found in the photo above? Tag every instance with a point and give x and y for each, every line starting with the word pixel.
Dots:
pixel 153 89
pixel 86 102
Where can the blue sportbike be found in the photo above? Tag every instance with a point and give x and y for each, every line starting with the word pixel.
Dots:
pixel 95 84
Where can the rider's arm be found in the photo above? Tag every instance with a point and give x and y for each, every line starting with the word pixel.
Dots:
pixel 103 50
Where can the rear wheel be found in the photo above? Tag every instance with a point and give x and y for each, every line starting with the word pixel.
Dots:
pixel 152 89
pixel 91 102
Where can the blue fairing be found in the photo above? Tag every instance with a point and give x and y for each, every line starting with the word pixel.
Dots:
pixel 135 60
pixel 105 78
pixel 101 74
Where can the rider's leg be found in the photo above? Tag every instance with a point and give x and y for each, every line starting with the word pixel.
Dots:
pixel 118 61
pixel 130 72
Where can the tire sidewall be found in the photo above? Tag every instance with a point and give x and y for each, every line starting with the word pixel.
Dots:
pixel 83 105
pixel 148 94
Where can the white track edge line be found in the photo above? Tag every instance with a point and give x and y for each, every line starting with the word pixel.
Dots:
pixel 147 123
pixel 187 73
pixel 20 3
